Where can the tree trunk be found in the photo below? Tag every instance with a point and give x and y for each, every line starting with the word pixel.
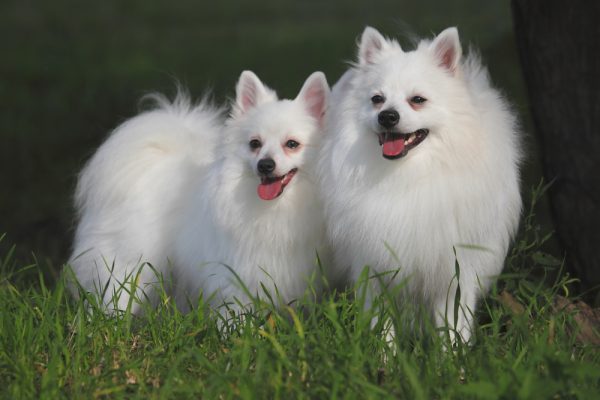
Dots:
pixel 559 47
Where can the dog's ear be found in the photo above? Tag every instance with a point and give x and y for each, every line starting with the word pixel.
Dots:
pixel 249 93
pixel 447 50
pixel 371 44
pixel 314 95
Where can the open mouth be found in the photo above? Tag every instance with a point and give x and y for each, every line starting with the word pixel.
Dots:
pixel 396 145
pixel 271 187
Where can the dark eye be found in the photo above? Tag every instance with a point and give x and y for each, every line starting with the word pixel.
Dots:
pixel 255 144
pixel 418 100
pixel 292 144
pixel 377 99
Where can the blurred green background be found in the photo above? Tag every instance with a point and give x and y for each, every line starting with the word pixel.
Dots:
pixel 71 71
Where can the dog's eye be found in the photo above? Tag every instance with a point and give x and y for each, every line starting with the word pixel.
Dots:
pixel 292 144
pixel 377 99
pixel 255 144
pixel 418 100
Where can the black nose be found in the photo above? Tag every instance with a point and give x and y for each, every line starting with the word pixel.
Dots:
pixel 388 118
pixel 266 166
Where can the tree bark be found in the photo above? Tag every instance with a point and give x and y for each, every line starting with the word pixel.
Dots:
pixel 559 47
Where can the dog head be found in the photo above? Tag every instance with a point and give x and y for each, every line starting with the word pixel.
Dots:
pixel 278 138
pixel 404 97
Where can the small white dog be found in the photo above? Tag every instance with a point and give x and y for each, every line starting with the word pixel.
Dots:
pixel 420 158
pixel 211 206
pixel 257 210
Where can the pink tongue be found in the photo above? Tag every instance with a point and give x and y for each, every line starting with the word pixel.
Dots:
pixel 269 191
pixel 393 146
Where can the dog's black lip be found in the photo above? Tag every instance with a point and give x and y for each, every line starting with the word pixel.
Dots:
pixel 271 179
pixel 421 134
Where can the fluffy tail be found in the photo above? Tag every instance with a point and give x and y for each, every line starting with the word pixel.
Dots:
pixel 170 130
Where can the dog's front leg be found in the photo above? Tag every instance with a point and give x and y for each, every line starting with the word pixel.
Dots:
pixel 453 314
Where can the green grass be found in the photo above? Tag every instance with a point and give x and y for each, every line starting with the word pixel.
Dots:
pixel 52 346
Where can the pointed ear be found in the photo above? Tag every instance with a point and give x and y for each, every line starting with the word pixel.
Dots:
pixel 447 50
pixel 250 92
pixel 371 44
pixel 314 94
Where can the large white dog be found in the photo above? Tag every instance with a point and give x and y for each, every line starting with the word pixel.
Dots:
pixel 420 159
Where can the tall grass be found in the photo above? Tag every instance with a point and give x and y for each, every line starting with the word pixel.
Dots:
pixel 52 346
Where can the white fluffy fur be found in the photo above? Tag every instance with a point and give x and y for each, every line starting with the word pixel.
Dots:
pixel 459 187
pixel 274 242
pixel 176 187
